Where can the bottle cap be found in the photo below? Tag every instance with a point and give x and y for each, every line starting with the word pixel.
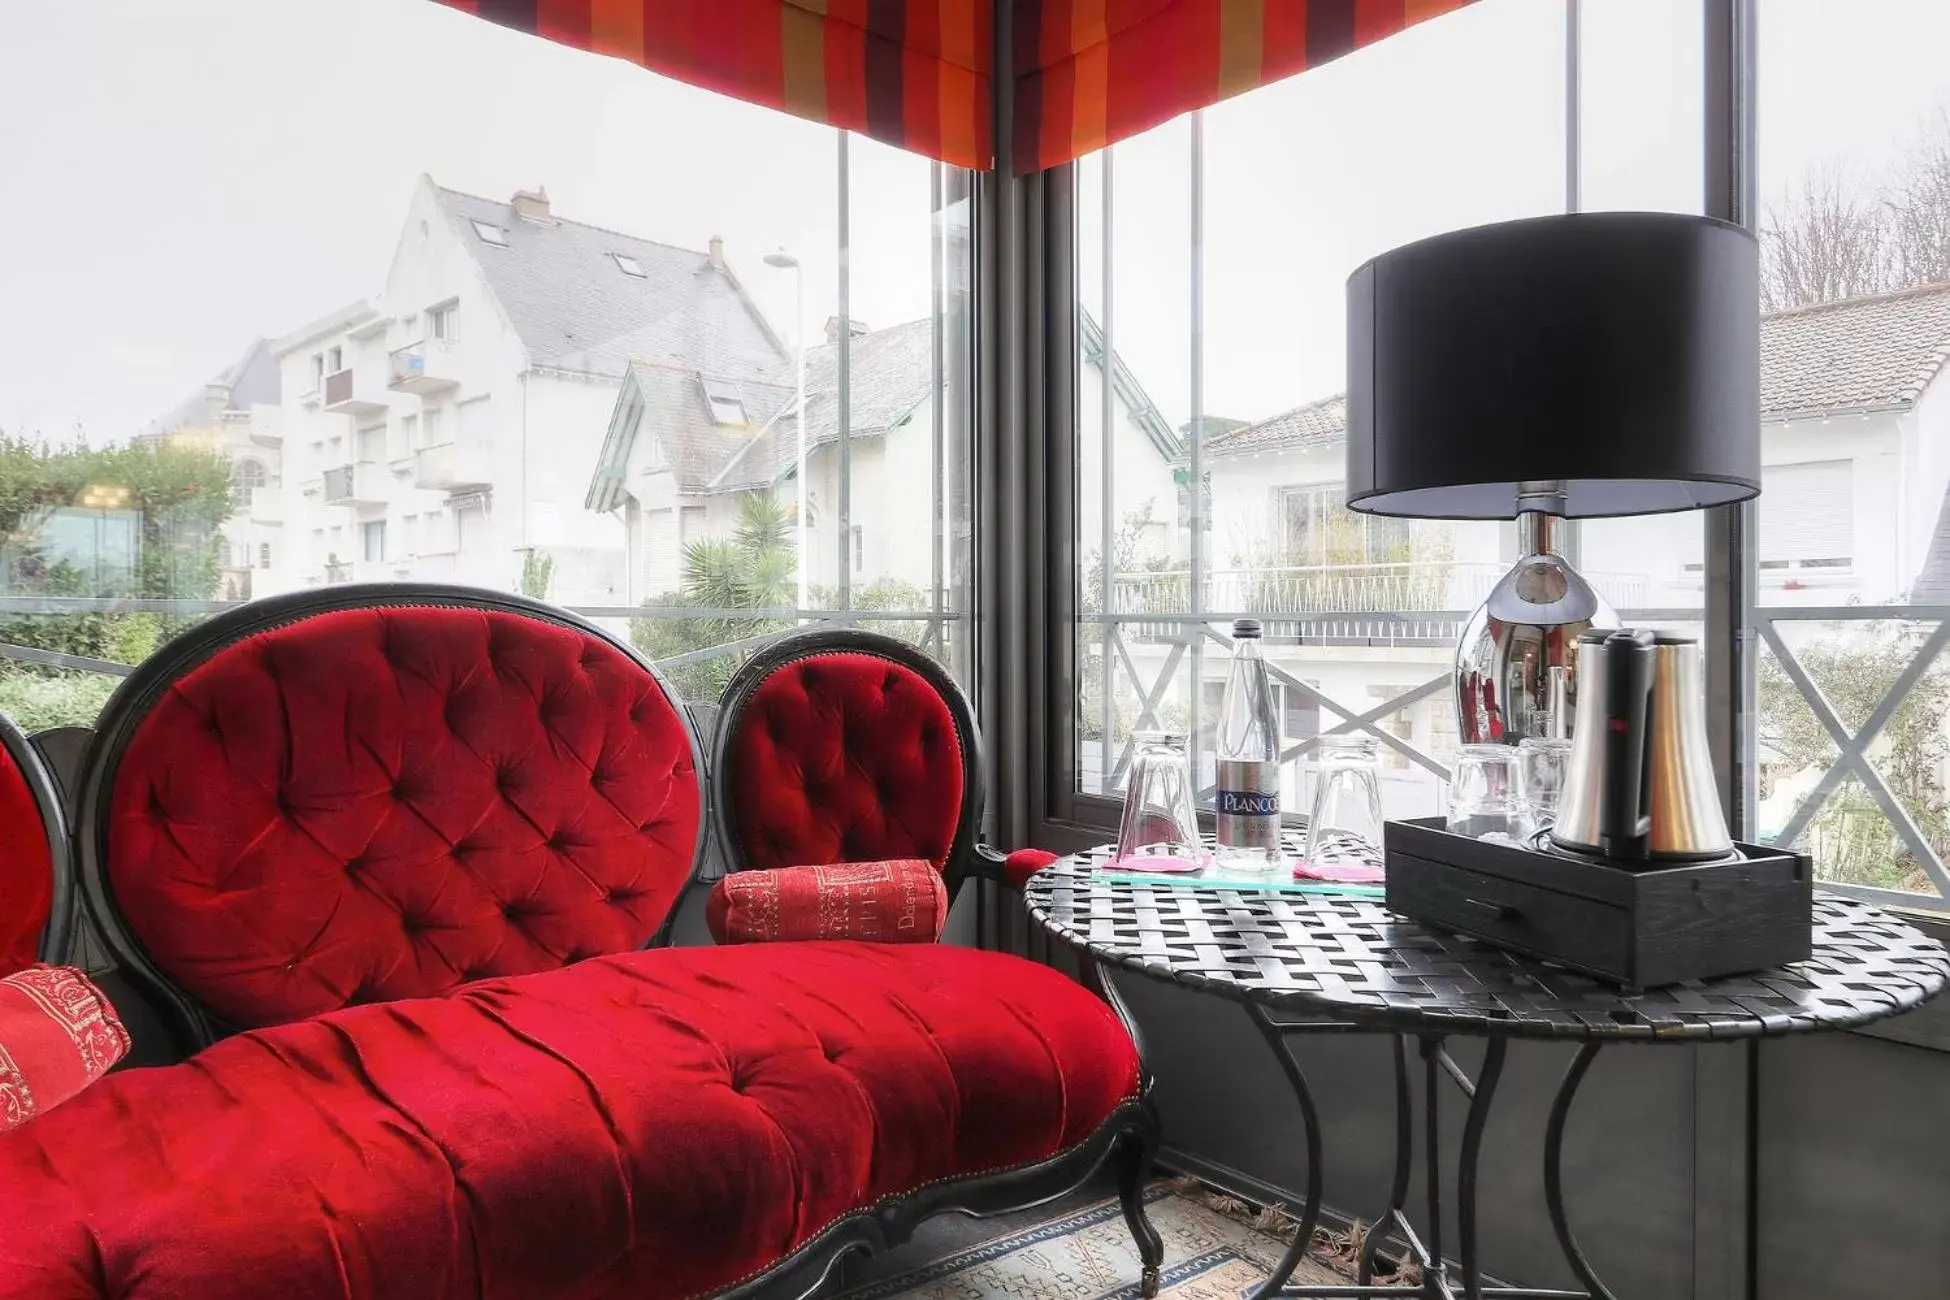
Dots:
pixel 1248 627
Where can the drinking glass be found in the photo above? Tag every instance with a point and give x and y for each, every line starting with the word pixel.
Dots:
pixel 1159 830
pixel 1541 765
pixel 1483 794
pixel 1344 832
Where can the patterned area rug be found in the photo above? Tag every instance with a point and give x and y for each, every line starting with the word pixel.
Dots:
pixel 1212 1252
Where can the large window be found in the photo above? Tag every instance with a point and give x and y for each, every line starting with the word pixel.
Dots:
pixel 1851 553
pixel 616 429
pixel 1211 261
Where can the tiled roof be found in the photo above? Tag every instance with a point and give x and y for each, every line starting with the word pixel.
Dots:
pixel 1879 352
pixel 574 308
pixel 890 372
pixel 252 380
pixel 1318 422
pixel 1874 352
pixel 676 411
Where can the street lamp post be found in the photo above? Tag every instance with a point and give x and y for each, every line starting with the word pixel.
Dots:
pixel 786 261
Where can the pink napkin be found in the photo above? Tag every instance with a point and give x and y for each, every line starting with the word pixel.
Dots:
pixel 1345 873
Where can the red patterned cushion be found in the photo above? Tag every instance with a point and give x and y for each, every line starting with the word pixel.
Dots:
pixel 903 901
pixel 389 803
pixel 26 870
pixel 649 1126
pixel 57 1035
pixel 845 758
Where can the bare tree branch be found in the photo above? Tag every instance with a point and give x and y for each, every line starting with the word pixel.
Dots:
pixel 1827 242
pixel 1839 236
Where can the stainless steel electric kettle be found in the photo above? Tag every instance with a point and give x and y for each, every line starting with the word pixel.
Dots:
pixel 1640 781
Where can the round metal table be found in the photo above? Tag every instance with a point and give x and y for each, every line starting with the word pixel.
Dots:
pixel 1369 969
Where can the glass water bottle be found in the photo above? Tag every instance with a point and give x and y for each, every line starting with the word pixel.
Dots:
pixel 1248 749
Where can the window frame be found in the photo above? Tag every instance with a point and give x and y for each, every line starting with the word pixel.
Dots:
pixel 1045 206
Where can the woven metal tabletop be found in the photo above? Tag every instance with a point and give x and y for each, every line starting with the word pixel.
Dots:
pixel 1354 959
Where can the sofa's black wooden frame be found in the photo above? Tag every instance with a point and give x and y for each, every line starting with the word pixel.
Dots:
pixel 1130 1133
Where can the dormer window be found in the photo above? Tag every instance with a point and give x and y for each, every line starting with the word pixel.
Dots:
pixel 629 265
pixel 491 234
pixel 727 407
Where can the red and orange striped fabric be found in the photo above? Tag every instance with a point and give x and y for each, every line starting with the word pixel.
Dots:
pixel 1093 72
pixel 917 73
pixel 912 73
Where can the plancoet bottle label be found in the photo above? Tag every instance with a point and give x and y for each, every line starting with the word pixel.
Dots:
pixel 1248 804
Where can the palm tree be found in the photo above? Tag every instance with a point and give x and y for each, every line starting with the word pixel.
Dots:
pixel 754 569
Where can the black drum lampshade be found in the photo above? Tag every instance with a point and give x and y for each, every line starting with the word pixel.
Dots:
pixel 1560 367
pixel 1614 353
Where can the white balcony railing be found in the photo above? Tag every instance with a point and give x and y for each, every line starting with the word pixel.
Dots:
pixel 452 467
pixel 423 367
pixel 347 392
pixel 360 483
pixel 1327 601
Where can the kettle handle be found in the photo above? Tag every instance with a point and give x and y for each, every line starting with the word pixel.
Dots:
pixel 1624 819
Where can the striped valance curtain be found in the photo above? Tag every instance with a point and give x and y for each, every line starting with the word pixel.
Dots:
pixel 912 73
pixel 916 73
pixel 1093 72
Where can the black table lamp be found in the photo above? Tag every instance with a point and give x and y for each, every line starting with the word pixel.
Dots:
pixel 1559 367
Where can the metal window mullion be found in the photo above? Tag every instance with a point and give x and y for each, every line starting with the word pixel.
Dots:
pixel 1107 396
pixel 845 354
pixel 937 446
pixel 1732 650
pixel 1196 462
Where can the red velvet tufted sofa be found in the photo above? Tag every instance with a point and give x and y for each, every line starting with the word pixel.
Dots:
pixel 36 889
pixel 389 858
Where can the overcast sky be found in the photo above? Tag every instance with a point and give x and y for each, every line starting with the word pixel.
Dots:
pixel 176 179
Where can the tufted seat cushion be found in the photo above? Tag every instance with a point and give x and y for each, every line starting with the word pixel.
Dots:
pixel 844 757
pixel 390 802
pixel 655 1124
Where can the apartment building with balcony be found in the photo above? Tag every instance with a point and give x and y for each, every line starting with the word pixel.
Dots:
pixel 239 415
pixel 446 428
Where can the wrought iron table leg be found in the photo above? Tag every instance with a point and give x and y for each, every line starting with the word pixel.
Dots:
pixel 1310 1213
pixel 1554 1173
pixel 1404 1157
pixel 1472 1146
pixel 1435 1285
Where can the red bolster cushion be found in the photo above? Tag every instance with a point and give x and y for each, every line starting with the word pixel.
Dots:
pixel 898 901
pixel 57 1035
pixel 1020 865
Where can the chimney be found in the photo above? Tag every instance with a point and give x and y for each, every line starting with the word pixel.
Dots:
pixel 715 255
pixel 855 328
pixel 531 205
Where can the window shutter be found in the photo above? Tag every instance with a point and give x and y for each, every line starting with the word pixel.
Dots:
pixel 1807 511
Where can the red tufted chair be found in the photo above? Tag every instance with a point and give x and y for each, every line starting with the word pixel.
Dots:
pixel 392 853
pixel 35 877
pixel 843 746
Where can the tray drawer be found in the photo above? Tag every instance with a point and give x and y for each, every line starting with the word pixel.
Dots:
pixel 1510 914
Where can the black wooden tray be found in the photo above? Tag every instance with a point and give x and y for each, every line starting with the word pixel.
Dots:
pixel 1637 925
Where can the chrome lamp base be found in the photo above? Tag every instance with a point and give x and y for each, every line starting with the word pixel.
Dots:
pixel 1516 663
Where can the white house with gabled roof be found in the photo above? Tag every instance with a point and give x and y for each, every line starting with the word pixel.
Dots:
pixel 447 427
pixel 684 448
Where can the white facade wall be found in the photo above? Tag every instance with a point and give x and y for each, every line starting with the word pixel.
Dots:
pixel 532 435
pixel 1141 477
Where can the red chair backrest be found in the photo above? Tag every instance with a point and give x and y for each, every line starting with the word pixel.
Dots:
pixel 315 805
pixel 845 747
pixel 27 854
